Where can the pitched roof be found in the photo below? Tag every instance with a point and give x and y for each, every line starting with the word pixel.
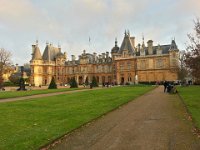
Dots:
pixel 50 52
pixel 36 54
pixel 127 44
pixel 165 49
pixel 173 45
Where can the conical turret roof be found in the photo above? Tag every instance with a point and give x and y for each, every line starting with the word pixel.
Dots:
pixel 36 54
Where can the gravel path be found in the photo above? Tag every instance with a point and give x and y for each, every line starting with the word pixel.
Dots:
pixel 154 121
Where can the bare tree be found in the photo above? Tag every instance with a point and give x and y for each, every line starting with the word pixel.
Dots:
pixel 4 61
pixel 193 52
pixel 182 70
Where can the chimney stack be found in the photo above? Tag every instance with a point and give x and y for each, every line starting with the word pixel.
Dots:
pixel 103 55
pixel 73 58
pixel 150 47
pixel 107 54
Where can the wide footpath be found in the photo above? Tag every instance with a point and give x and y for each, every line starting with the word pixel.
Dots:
pixel 154 121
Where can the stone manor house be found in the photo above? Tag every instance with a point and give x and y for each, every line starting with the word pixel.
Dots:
pixel 129 63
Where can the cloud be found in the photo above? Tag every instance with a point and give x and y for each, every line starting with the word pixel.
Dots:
pixel 72 22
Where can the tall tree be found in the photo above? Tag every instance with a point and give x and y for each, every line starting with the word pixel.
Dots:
pixel 193 52
pixel 4 61
pixel 182 70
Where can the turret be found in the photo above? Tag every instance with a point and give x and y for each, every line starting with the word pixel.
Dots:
pixel 36 55
pixel 174 54
pixel 173 45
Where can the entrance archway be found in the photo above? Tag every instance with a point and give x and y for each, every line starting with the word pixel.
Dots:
pixel 122 80
pixel 103 79
pixel 80 79
pixel 97 79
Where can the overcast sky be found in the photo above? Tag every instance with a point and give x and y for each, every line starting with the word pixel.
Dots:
pixel 71 22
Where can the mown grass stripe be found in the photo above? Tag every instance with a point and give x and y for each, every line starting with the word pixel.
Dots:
pixel 31 124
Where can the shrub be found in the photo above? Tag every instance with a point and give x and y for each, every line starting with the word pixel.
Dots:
pixel 86 82
pixel 9 84
pixel 52 85
pixel 73 83
pixel 127 83
pixel 94 82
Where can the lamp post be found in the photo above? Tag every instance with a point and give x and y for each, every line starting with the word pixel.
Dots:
pixel 21 81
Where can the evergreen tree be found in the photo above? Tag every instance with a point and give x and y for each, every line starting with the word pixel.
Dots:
pixel 86 81
pixel 94 82
pixel 52 85
pixel 73 83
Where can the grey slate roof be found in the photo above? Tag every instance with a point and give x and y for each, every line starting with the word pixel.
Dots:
pixel 50 52
pixel 36 54
pixel 127 45
pixel 115 49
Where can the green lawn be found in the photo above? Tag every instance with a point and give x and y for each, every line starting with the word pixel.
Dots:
pixel 31 124
pixel 191 97
pixel 11 94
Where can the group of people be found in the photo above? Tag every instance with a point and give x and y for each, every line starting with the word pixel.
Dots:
pixel 169 87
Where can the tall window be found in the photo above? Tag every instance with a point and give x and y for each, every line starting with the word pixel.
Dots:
pixel 129 65
pixel 159 63
pixel 143 64
pixel 129 77
pixel 121 65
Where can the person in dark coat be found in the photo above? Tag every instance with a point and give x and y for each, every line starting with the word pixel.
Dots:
pixel 165 86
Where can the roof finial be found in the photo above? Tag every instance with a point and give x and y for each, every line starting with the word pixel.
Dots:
pixel 128 33
pixel 143 45
pixel 142 37
pixel 115 42
pixel 47 42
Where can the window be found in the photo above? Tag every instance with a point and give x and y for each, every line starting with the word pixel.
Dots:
pixel 143 64
pixel 129 65
pixel 129 77
pixel 159 63
pixel 121 65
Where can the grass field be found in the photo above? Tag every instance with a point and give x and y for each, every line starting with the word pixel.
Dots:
pixel 11 94
pixel 191 98
pixel 31 124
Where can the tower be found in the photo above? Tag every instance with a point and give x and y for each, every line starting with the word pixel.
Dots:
pixel 173 54
pixel 36 65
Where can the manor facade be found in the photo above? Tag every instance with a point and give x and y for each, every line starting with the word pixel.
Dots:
pixel 129 63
